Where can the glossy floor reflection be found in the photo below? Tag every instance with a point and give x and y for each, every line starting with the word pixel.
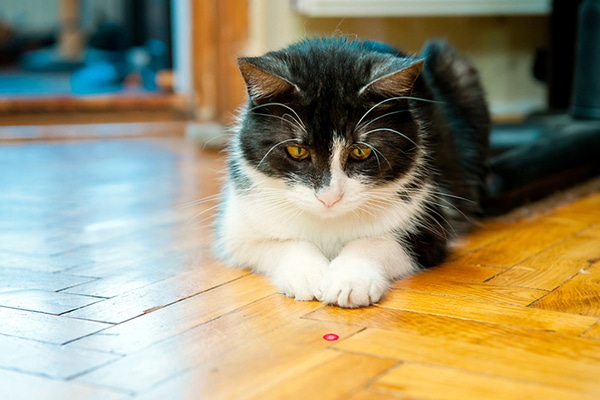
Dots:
pixel 108 291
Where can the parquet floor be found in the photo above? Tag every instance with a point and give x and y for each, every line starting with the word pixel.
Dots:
pixel 108 291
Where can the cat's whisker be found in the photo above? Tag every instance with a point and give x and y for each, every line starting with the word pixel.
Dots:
pixel 292 121
pixel 376 152
pixel 369 122
pixel 390 130
pixel 200 214
pixel 207 199
pixel 380 204
pixel 395 99
pixel 383 202
pixel 421 99
pixel 365 210
pixel 454 196
pixel 430 200
pixel 297 117
pixel 201 224
pixel 273 148
pixel 372 108
pixel 223 137
pixel 271 199
pixel 431 227
pixel 441 197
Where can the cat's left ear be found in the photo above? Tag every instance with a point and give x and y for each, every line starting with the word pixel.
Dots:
pixel 398 83
pixel 263 85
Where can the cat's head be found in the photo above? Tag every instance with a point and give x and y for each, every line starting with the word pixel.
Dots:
pixel 330 122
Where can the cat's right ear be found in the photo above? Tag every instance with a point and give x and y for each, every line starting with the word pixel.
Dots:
pixel 262 85
pixel 397 83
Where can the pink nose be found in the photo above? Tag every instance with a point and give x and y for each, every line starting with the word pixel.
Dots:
pixel 329 197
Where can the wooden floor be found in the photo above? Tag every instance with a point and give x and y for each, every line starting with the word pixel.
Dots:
pixel 108 291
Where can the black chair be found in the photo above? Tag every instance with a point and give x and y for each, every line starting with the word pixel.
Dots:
pixel 555 150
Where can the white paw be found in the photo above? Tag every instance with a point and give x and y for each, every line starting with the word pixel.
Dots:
pixel 353 282
pixel 301 277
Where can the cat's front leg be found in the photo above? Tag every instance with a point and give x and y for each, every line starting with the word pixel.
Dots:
pixel 362 272
pixel 296 268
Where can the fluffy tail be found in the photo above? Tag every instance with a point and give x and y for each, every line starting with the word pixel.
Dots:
pixel 455 82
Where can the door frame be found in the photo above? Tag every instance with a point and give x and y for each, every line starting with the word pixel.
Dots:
pixel 218 36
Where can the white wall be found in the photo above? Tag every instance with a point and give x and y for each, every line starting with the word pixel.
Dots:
pixel 501 47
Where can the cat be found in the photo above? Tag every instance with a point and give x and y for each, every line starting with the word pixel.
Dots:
pixel 352 165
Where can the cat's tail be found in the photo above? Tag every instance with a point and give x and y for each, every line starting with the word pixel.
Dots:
pixel 455 82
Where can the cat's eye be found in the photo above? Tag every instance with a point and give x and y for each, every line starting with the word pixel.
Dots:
pixel 360 153
pixel 297 152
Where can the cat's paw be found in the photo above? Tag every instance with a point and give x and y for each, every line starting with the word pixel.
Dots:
pixel 300 277
pixel 353 282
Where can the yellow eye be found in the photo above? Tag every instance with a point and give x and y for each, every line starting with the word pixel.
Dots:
pixel 360 153
pixel 297 152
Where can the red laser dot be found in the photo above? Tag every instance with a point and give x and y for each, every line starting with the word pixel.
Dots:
pixel 331 337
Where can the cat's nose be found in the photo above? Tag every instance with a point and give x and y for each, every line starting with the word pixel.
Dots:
pixel 329 197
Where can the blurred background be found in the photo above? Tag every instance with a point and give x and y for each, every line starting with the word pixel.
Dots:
pixel 83 46
pixel 177 58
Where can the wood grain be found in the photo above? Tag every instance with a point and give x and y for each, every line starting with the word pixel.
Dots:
pixel 554 266
pixel 528 240
pixel 431 283
pixel 484 311
pixel 585 209
pixel 460 271
pixel 108 289
pixel 312 379
pixel 44 327
pixel 479 357
pixel 593 332
pixel 433 382
pixel 480 236
pixel 154 296
pixel 519 338
pixel 579 295
pixel 50 360
pixel 49 302
pixel 212 365
pixel 17 385
pixel 180 317
pixel 15 278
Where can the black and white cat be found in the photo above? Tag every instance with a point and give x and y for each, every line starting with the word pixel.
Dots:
pixel 352 165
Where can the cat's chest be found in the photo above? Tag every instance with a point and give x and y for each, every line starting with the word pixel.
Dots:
pixel 256 222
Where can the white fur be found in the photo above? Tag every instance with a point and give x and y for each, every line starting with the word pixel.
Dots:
pixel 343 253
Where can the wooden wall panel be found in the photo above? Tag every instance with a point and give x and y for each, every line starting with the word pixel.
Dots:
pixel 219 35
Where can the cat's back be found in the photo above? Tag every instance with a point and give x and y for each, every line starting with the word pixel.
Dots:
pixel 462 121
pixel 454 81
